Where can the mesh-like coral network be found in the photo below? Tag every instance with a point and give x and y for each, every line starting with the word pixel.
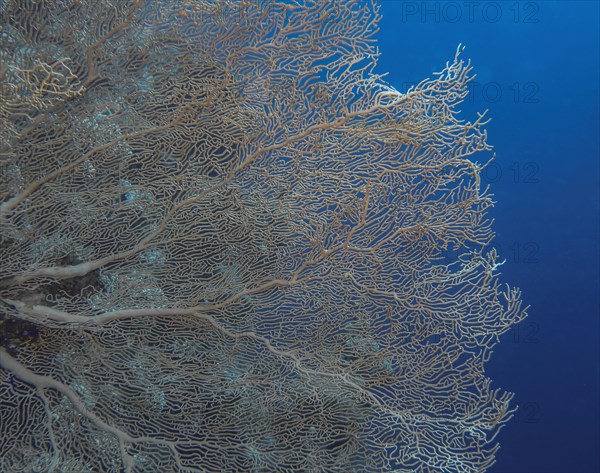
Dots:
pixel 224 246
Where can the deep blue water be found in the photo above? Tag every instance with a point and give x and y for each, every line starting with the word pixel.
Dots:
pixel 537 66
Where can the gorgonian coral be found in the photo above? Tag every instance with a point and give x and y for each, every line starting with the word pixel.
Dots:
pixel 225 246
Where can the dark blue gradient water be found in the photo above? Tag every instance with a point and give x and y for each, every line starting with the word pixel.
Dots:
pixel 537 73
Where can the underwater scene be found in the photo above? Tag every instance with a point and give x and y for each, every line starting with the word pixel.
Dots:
pixel 299 236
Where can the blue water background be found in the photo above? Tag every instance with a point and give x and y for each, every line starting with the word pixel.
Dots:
pixel 537 73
